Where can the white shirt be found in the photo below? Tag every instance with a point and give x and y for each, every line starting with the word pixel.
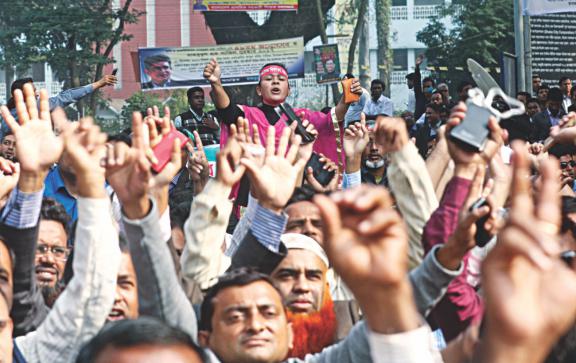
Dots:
pixel 411 104
pixel 356 108
pixel 383 106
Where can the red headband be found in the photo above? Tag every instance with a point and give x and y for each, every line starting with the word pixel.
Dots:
pixel 273 69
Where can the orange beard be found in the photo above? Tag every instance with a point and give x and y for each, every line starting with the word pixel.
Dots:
pixel 313 332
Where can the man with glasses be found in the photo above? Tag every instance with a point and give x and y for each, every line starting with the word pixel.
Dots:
pixel 445 92
pixel 158 68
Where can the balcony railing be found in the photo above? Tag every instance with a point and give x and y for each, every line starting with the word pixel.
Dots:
pixel 426 11
pixel 399 13
pixel 398 77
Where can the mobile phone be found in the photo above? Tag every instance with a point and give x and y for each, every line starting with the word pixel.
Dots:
pixel 287 110
pixel 163 151
pixel 320 174
pixel 114 71
pixel 349 97
pixel 482 237
pixel 472 132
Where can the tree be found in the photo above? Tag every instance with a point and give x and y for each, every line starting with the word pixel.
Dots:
pixel 481 30
pixel 383 17
pixel 75 38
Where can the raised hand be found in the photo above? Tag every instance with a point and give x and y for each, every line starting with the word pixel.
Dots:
pixel 529 290
pixel 464 159
pixel 329 166
pixel 197 164
pixel 228 160
pixel 38 147
pixel 85 148
pixel 212 71
pixel 367 243
pixel 106 80
pixel 390 133
pixel 274 182
pixel 355 141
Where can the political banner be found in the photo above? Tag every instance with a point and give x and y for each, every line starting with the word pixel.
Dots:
pixel 540 7
pixel 168 68
pixel 327 63
pixel 245 5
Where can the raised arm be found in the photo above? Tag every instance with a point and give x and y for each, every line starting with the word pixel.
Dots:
pixel 81 310
pixel 342 107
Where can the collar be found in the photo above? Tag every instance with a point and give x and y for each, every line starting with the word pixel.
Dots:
pixel 270 113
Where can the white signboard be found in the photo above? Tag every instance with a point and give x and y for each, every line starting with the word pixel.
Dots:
pixel 540 7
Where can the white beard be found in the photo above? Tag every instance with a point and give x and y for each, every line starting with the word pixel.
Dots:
pixel 374 165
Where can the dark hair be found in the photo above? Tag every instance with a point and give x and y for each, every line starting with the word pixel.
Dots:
pixel 435 107
pixel 535 75
pixel 326 110
pixel 544 86
pixel 124 136
pixel 238 277
pixel 348 75
pixel 532 100
pixel 304 193
pixel 17 84
pixel 194 89
pixel 378 81
pixel 411 76
pixel 149 61
pixel 555 95
pixel 144 331
pixel 562 149
pixel 463 85
pixel 563 79
pixel 52 210
pixel 525 94
pixel 429 79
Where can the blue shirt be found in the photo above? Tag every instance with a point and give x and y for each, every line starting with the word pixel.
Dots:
pixel 54 188
pixel 62 99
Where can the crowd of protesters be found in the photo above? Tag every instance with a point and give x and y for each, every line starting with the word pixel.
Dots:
pixel 348 236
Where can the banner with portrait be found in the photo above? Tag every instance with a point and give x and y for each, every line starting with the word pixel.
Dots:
pixel 244 5
pixel 327 63
pixel 168 68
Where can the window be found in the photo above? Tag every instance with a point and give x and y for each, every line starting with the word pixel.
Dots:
pixel 399 2
pixel 400 57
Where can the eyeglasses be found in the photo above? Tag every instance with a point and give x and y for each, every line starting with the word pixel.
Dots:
pixel 60 253
pixel 564 164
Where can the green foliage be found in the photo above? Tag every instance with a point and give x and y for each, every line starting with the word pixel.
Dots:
pixel 139 102
pixel 481 30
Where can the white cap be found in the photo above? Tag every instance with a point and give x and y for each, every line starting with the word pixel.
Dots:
pixel 296 241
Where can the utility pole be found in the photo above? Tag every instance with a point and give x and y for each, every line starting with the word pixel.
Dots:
pixel 519 36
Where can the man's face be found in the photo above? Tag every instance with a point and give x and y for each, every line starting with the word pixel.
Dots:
pixel 149 354
pixel 554 107
pixel 532 108
pixel 301 278
pixel 6 282
pixel 410 83
pixel 373 152
pixel 522 98
pixel 437 99
pixel 543 94
pixel 445 94
pixel 464 94
pixel 536 83
pixel 249 325
pixel 126 299
pixel 196 101
pixel 51 253
pixel 6 344
pixel 431 115
pixel 304 218
pixel 566 86
pixel 273 89
pixel 330 66
pixel 376 91
pixel 427 88
pixel 8 147
pixel 159 72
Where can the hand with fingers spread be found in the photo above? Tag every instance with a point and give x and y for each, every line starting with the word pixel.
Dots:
pixel 329 166
pixel 465 160
pixel 38 147
pixel 154 121
pixel 274 182
pixel 529 290
pixel 463 239
pixel 228 160
pixel 367 243
pixel 356 140
pixel 197 164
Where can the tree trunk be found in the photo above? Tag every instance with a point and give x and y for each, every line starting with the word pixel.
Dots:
pixel 364 54
pixel 360 25
pixel 383 15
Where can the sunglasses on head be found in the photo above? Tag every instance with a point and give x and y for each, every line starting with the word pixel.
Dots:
pixel 564 164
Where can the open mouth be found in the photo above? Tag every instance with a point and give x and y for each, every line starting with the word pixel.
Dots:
pixel 46 274
pixel 116 314
pixel 276 91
